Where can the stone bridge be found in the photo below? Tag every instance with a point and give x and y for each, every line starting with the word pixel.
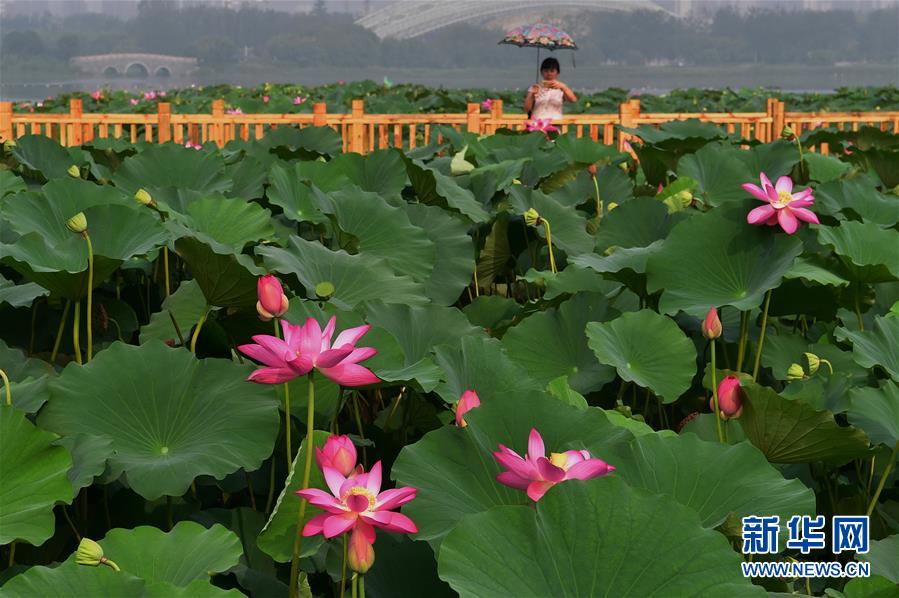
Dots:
pixel 135 65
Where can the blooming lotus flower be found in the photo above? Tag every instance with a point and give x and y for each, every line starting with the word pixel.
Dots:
pixel 297 100
pixel 544 125
pixel 272 302
pixel 190 145
pixel 339 454
pixel 467 402
pixel 783 207
pixel 711 325
pixel 357 503
pixel 305 348
pixel 730 398
pixel 97 95
pixel 233 111
pixel 134 101
pixel 149 95
pixel 265 99
pixel 536 474
pixel 487 104
pixel 161 94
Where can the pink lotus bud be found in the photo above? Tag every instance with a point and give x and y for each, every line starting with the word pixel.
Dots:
pixel 659 188
pixel 97 95
pixel 265 99
pixel 339 453
pixel 134 101
pixel 487 104
pixel 730 398
pixel 360 554
pixel 468 402
pixel 711 326
pixel 272 302
pixel 297 100
pixel 161 94
pixel 592 170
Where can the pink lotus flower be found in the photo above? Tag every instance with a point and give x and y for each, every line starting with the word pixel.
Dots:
pixel 272 302
pixel 340 82
pixel 627 146
pixel 297 100
pixel 536 474
pixel 730 398
pixel 149 95
pixel 97 95
pixel 784 207
pixel 467 402
pixel 544 125
pixel 357 503
pixel 134 101
pixel 487 104
pixel 40 104
pixel 265 99
pixel 711 325
pixel 305 348
pixel 190 145
pixel 161 94
pixel 233 111
pixel 339 454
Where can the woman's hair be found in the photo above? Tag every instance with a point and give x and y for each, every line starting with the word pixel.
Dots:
pixel 550 63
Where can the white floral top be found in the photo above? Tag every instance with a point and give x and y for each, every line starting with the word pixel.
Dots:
pixel 548 104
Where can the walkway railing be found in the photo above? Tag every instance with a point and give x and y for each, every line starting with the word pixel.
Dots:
pixel 362 132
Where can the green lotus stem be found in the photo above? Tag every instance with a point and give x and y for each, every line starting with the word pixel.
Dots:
pixel 549 244
pixel 307 469
pixel 6 388
pixel 477 290
pixel 883 480
pixel 196 335
pixel 165 267
pixel 355 584
pixel 12 553
pixel 62 323
pixel 343 569
pixel 286 408
pixel 715 396
pixel 177 328
pixel 598 200
pixel 90 295
pixel 858 314
pixel 333 427
pixel 76 343
pixel 271 489
pixel 758 351
pixel 741 346
pixel 361 586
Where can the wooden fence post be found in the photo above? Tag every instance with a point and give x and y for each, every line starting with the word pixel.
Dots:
pixel 218 126
pixel 6 130
pixel 319 114
pixel 473 121
pixel 75 135
pixel 628 112
pixel 775 109
pixel 164 134
pixel 496 114
pixel 357 127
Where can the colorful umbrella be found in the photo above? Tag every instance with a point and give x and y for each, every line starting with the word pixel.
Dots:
pixel 539 35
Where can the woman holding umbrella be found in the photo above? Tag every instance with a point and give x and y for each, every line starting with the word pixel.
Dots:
pixel 544 100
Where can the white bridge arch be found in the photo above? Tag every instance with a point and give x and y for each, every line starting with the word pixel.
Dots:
pixel 141 65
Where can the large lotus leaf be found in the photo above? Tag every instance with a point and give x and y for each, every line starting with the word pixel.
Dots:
pixel 276 538
pixel 648 349
pixel 405 568
pixel 24 373
pixel 714 480
pixel 876 411
pixel 717 259
pixel 793 432
pixel 185 306
pixel 823 168
pixel 882 556
pixel 20 295
pixel 673 132
pixel 230 221
pixel 481 364
pixel 637 223
pixel 573 279
pixel 172 166
pixel 227 278
pixel 454 262
pixel 356 278
pixel 868 250
pixel 195 589
pixel 32 481
pixel 568 227
pixel 719 174
pixel 618 259
pixel 454 469
pixel 89 456
pixel 10 183
pixel 70 579
pixel 382 171
pixel 383 231
pixel 486 180
pixel 879 346
pixel 435 188
pixel 171 417
pixel 419 329
pixel 323 141
pixel 598 538
pixel 288 191
pixel 774 159
pixel 817 270
pixel 495 257
pixel 874 586
pixel 553 343
pixel 187 553
pixel 40 153
pixel 248 178
pixel 856 196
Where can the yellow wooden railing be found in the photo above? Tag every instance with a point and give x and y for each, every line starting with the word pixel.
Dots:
pixel 362 132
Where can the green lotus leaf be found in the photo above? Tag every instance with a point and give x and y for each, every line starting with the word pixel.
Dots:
pixel 868 250
pixel 10 183
pixel 186 306
pixel 170 166
pixel 648 349
pixel 637 223
pixel 288 191
pixel 89 455
pixel 572 280
pixel 356 278
pixel 496 255
pixel 248 178
pixel 381 171
pixel 561 390
pixel 813 269
pixel 717 259
pixel 487 179
pixel 405 568
pixel 170 416
pixel 714 480
pixel 230 221
pixel 20 295
pixel 226 277
pixel 568 227
pixel 70 579
pixel 553 343
pixel 454 469
pixel 276 538
pixel 628 258
pixel 435 188
pixel 882 556
pixel 719 174
pixel 879 346
pixel 775 159
pixel 32 481
pixel 40 153
pixel 870 587
pixel 383 231
pixel 597 538
pixel 317 141
pixel 187 553
pixel 843 198
pixel 876 411
pixel 490 311
pixel 454 261
pixel 793 432
pixel 823 168
pixel 195 589
pixel 28 378
pixel 676 131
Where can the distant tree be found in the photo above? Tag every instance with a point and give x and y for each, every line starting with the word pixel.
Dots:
pixel 23 43
pixel 216 50
pixel 67 45
pixel 319 9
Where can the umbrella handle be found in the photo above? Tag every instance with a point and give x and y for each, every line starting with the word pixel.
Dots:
pixel 537 78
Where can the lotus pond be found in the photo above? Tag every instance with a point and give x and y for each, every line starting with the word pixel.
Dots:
pixel 516 365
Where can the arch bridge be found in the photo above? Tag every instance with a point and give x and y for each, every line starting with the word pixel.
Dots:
pixel 410 18
pixel 135 65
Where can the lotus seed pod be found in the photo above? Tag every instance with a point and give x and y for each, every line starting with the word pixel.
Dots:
pixel 795 372
pixel 787 133
pixel 74 171
pixel 144 198
pixel 612 205
pixel 324 289
pixel 90 553
pixel 9 144
pixel 814 362
pixel 77 223
pixel 532 217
